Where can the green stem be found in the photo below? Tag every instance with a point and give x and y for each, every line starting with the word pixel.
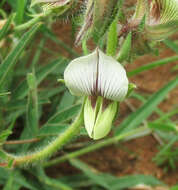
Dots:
pixel 94 147
pixel 55 145
pixel 31 22
pixel 27 24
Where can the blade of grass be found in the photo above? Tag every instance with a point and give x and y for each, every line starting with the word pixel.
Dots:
pixel 91 174
pixel 6 27
pixel 152 65
pixel 13 56
pixel 53 37
pixel 136 118
pixel 32 105
pixel 22 90
pixel 111 182
pixel 54 183
pixel 112 38
pixel 20 11
pixel 171 45
pixel 125 49
pixel 31 128
pixel 63 116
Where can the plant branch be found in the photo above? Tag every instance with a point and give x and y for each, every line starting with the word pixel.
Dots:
pixel 51 148
pixel 23 141
pixel 94 147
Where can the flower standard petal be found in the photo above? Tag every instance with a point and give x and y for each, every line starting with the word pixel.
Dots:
pixel 112 78
pixel 97 74
pixel 80 75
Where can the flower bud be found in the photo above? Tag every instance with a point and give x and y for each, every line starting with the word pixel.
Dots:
pixel 161 17
pixel 104 81
pixel 56 6
pixel 98 16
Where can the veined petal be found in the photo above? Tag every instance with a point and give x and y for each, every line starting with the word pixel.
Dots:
pixel 80 75
pixel 97 74
pixel 112 78
pixel 161 17
pixel 163 11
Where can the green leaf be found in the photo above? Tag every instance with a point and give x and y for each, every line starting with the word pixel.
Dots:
pixel 136 118
pixel 112 39
pixel 21 4
pixel 55 39
pixel 22 90
pixel 4 94
pixel 3 155
pixel 114 183
pixel 9 183
pixel 141 26
pixel 152 65
pixel 174 187
pixel 32 106
pixel 90 173
pixel 63 116
pixel 6 27
pixel 162 126
pixel 52 130
pixel 125 49
pixel 171 45
pixel 66 101
pixel 19 178
pixel 13 56
pixel 4 134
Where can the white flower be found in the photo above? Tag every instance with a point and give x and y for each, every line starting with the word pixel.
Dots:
pixel 104 81
pixel 97 74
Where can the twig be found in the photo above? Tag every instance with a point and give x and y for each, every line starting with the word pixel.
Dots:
pixel 23 141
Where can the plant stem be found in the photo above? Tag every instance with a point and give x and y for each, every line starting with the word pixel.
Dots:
pixel 23 141
pixel 55 145
pixel 27 24
pixel 31 22
pixel 94 147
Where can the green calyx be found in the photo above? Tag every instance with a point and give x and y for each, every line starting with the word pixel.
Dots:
pixel 99 114
pixel 58 7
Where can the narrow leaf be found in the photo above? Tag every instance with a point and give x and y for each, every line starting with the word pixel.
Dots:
pixel 13 56
pixel 136 118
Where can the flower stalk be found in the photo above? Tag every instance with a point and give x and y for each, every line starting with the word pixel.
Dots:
pixel 51 148
pixel 143 131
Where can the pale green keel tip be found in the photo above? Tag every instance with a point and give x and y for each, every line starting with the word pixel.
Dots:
pixel 98 120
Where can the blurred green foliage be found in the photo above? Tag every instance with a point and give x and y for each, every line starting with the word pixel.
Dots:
pixel 34 106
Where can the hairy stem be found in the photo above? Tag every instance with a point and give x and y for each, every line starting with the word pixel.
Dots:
pixel 51 148
pixel 96 146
